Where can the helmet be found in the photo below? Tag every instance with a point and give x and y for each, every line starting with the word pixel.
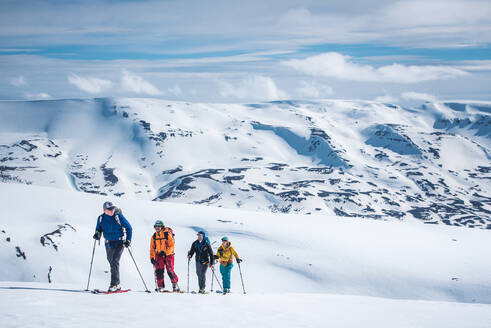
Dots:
pixel 158 223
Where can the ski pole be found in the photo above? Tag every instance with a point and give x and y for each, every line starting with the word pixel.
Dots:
pixel 90 270
pixel 212 282
pixel 146 289
pixel 242 280
pixel 155 278
pixel 189 260
pixel 214 275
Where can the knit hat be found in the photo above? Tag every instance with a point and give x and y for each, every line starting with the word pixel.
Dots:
pixel 158 223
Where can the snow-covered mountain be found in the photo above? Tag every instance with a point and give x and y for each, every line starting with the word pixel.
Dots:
pixel 60 160
pixel 335 157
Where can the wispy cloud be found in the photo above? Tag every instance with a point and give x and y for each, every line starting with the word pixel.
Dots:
pixel 89 84
pixel 436 13
pixel 6 50
pixel 252 88
pixel 475 65
pixel 336 65
pixel 18 81
pixel 411 95
pixel 246 25
pixel 136 84
pixel 175 90
pixel 312 89
pixel 38 96
pixel 386 99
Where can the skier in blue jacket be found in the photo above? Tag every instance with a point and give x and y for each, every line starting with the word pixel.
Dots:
pixel 117 231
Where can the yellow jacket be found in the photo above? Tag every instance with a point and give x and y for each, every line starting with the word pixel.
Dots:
pixel 225 254
pixel 162 241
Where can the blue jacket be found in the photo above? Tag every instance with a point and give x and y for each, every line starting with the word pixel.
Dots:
pixel 111 229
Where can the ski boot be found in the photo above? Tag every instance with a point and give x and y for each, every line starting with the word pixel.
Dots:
pixel 114 288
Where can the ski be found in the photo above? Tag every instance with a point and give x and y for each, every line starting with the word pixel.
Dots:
pixel 98 291
pixel 170 291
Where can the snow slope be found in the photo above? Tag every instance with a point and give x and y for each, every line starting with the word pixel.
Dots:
pixel 35 305
pixel 299 270
pixel 329 157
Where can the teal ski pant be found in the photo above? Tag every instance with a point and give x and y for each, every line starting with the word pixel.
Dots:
pixel 225 271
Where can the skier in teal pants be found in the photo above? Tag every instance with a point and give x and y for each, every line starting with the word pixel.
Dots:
pixel 225 254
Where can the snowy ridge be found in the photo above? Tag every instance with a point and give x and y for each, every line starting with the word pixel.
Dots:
pixel 334 157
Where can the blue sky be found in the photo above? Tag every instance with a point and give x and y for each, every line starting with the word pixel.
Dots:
pixel 228 51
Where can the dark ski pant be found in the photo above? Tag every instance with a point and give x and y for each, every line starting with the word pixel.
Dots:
pixel 201 273
pixel 161 264
pixel 113 252
pixel 225 270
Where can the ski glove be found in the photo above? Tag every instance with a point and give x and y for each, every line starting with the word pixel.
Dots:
pixel 239 260
pixel 162 254
pixel 153 261
pixel 97 235
pixel 126 243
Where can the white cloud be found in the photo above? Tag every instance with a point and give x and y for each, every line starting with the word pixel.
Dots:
pixel 134 83
pixel 89 84
pixel 475 65
pixel 176 90
pixel 18 50
pixel 408 22
pixel 18 81
pixel 333 64
pixel 410 95
pixel 386 99
pixel 436 12
pixel 254 88
pixel 313 89
pixel 50 75
pixel 38 96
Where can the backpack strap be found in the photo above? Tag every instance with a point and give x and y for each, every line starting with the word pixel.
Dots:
pixel 100 221
pixel 118 221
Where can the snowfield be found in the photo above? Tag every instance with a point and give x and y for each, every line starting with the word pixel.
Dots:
pixel 300 271
pixel 33 306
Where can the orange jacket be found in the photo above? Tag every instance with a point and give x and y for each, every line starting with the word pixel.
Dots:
pixel 162 241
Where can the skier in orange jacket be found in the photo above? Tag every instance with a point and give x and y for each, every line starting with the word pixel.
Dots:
pixel 162 246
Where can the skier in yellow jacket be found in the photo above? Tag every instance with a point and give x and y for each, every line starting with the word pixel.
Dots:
pixel 225 255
